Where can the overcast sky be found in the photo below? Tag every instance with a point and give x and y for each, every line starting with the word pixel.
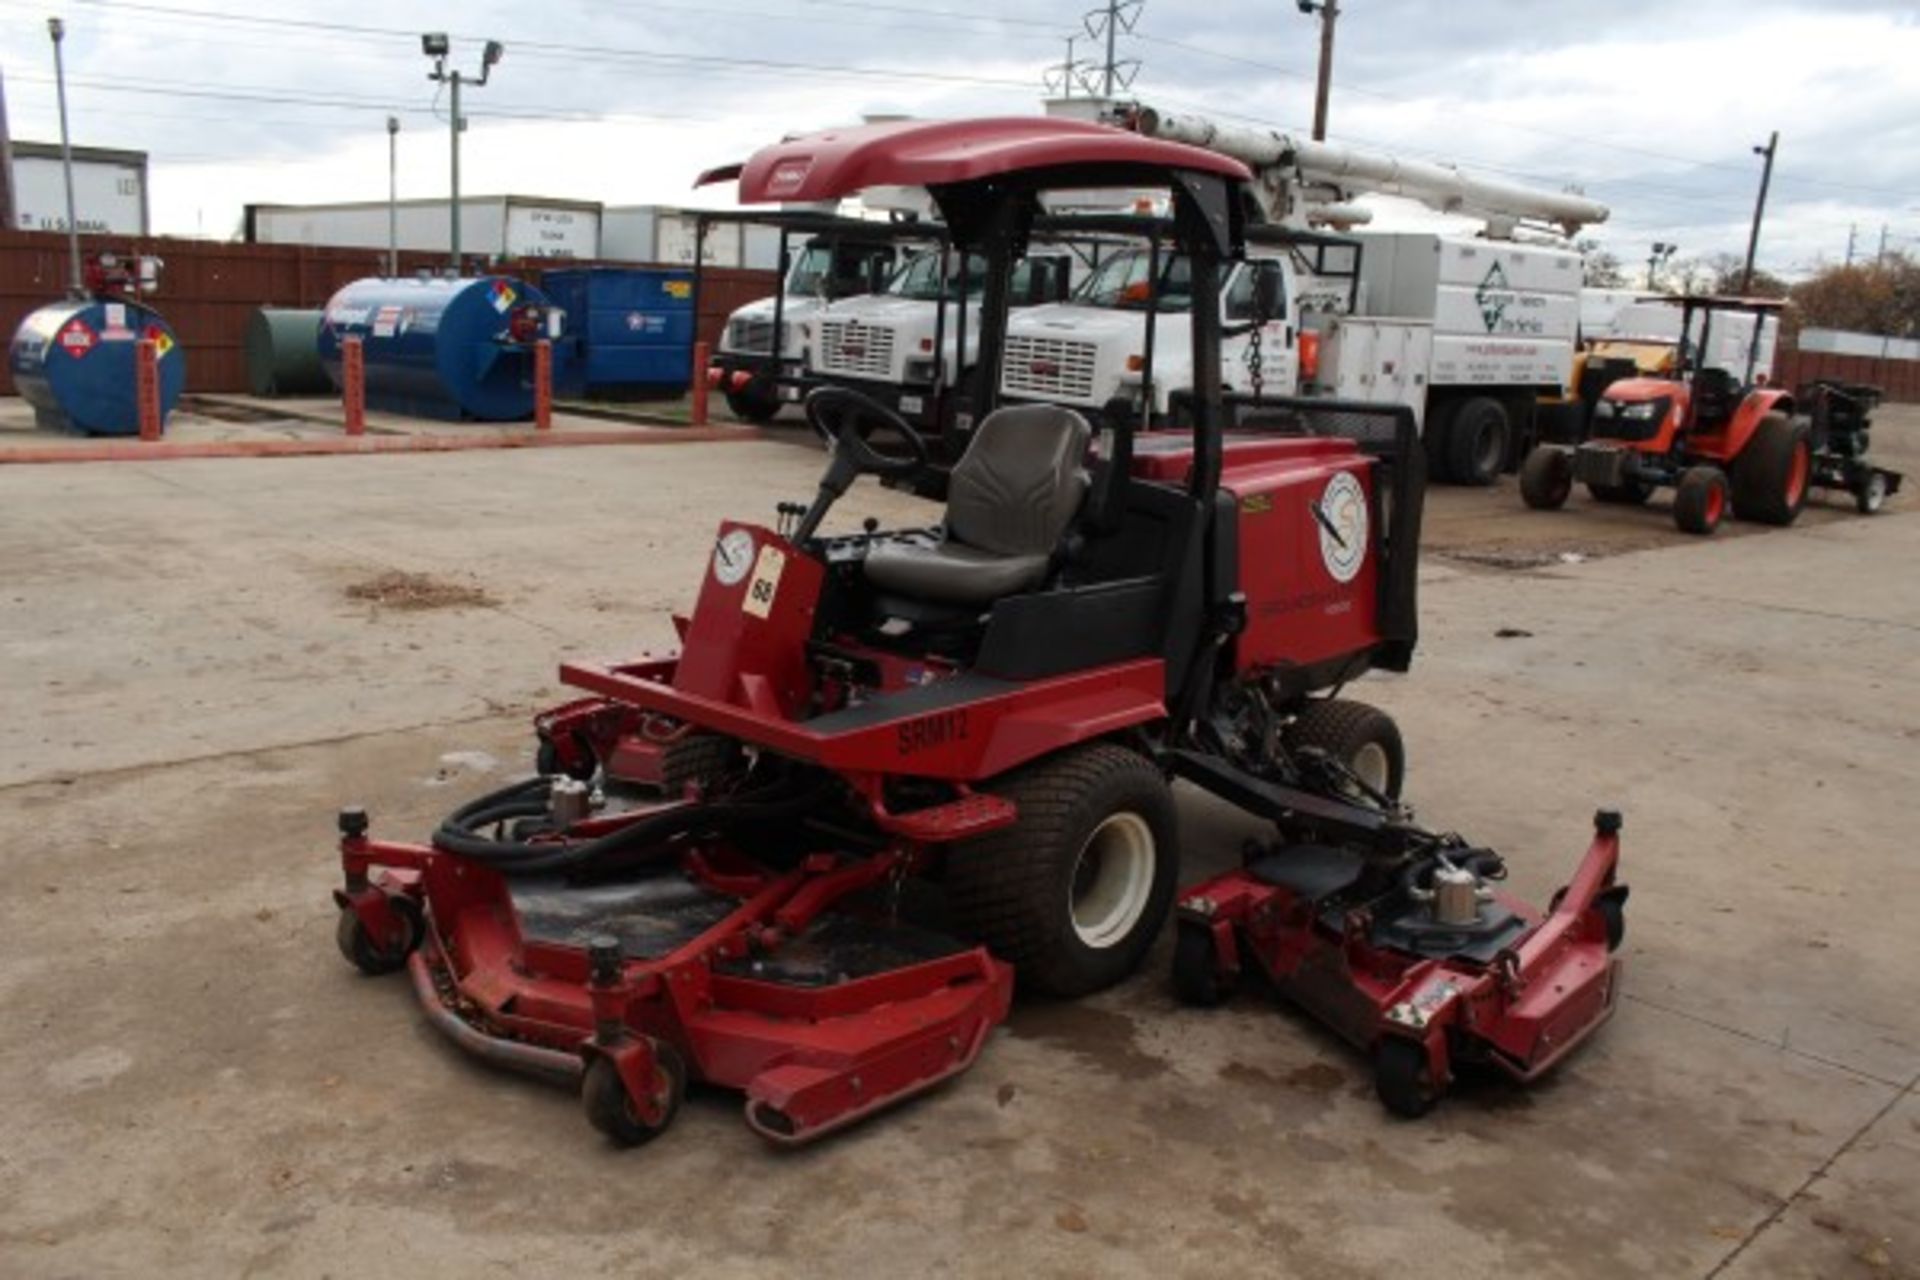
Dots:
pixel 1652 107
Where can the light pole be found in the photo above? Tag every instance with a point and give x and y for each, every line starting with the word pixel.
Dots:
pixel 1759 208
pixel 393 197
pixel 436 45
pixel 75 282
pixel 1661 252
pixel 1329 11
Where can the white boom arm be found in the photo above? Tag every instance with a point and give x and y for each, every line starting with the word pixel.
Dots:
pixel 1296 174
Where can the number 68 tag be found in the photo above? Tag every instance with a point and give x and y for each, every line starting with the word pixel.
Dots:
pixel 765 582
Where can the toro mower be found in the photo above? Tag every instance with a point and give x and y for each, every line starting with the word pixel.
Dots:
pixel 1722 444
pixel 887 770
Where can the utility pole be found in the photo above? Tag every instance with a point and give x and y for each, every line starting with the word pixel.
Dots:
pixel 393 197
pixel 437 46
pixel 1759 208
pixel 1107 23
pixel 1329 11
pixel 1853 229
pixel 7 218
pixel 76 284
pixel 1661 252
pixel 1880 258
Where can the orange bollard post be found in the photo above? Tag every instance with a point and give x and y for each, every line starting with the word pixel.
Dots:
pixel 353 385
pixel 543 385
pixel 146 387
pixel 700 358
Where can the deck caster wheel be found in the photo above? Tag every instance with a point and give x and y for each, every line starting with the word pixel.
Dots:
pixel 1197 979
pixel 1403 1077
pixel 1613 913
pixel 1871 495
pixel 610 1108
pixel 370 957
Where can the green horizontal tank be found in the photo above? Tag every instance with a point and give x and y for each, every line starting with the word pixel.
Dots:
pixel 283 353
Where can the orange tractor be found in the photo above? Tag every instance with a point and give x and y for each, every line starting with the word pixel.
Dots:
pixel 1722 444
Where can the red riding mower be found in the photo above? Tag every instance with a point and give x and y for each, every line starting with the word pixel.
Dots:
pixel 805 857
pixel 1722 445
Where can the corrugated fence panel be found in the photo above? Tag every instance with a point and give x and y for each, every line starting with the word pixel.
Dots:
pixel 209 289
pixel 1898 379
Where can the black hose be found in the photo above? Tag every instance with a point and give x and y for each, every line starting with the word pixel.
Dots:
pixel 639 842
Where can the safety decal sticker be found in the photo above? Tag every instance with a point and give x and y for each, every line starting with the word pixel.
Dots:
pixel 732 557
pixel 503 296
pixel 162 340
pixel 387 322
pixel 766 581
pixel 76 338
pixel 1341 514
pixel 679 288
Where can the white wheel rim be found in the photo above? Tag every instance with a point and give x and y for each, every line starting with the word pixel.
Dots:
pixel 1876 492
pixel 1369 764
pixel 1112 880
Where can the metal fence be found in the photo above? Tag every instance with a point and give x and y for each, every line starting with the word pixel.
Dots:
pixel 209 289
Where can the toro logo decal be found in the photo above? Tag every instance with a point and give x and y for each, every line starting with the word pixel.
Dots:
pixel 1341 514
pixel 929 732
pixel 1493 296
pixel 77 338
pixel 788 176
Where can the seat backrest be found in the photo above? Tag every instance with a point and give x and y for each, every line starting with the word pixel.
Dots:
pixel 1713 393
pixel 1021 480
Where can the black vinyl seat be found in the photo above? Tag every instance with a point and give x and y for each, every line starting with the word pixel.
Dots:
pixel 1010 500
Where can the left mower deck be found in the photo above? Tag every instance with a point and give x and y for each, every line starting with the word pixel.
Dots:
pixel 790 986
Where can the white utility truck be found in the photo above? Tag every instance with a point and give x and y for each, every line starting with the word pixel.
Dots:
pixel 1471 332
pixel 883 344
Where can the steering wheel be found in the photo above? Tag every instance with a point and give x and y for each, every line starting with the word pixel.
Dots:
pixel 845 419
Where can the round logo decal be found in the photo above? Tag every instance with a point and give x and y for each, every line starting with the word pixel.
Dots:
pixel 1341 514
pixel 732 557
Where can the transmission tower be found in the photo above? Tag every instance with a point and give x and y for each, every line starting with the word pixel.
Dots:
pixel 1106 24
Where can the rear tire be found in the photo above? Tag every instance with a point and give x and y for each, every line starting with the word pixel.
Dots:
pixel 1700 500
pixel 1772 474
pixel 749 405
pixel 1546 478
pixel 1075 891
pixel 1363 738
pixel 1477 441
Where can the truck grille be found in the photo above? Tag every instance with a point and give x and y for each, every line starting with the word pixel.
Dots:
pixel 1052 367
pixel 855 349
pixel 752 336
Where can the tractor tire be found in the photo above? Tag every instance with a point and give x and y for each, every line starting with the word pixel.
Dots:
pixel 1197 980
pixel 753 405
pixel 1771 475
pixel 1632 493
pixel 1700 500
pixel 603 1095
pixel 1075 891
pixel 1363 738
pixel 1403 1077
pixel 1477 441
pixel 1546 478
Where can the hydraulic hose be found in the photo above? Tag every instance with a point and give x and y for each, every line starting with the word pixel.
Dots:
pixel 641 841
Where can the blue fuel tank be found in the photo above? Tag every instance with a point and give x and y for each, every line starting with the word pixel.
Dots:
pixel 73 361
pixel 439 348
pixel 629 329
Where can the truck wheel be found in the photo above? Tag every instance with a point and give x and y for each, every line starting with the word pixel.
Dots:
pixel 1477 441
pixel 1770 476
pixel 1075 891
pixel 1628 493
pixel 1546 478
pixel 1363 738
pixel 753 403
pixel 1700 500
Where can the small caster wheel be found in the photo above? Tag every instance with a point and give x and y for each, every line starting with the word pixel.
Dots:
pixel 1614 913
pixel 1403 1077
pixel 610 1109
pixel 368 956
pixel 1197 979
pixel 1872 494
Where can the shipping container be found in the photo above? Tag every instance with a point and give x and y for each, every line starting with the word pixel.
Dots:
pixel 109 189
pixel 490 226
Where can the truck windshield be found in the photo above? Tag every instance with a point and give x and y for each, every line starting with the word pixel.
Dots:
pixel 920 278
pixel 1121 283
pixel 838 272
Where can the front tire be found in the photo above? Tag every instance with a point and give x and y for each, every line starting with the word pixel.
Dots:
pixel 1075 891
pixel 1700 500
pixel 1546 478
pixel 1771 475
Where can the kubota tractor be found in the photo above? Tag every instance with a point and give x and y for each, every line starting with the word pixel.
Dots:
pixel 1723 444
pixel 718 874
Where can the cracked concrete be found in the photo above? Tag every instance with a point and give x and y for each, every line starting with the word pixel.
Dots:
pixel 193 1084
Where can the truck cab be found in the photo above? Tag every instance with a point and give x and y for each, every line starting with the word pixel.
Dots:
pixel 883 344
pixel 1090 351
pixel 825 269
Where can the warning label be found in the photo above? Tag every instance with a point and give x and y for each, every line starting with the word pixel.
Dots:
pixel 503 296
pixel 77 337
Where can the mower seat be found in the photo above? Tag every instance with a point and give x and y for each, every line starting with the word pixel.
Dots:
pixel 1009 502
